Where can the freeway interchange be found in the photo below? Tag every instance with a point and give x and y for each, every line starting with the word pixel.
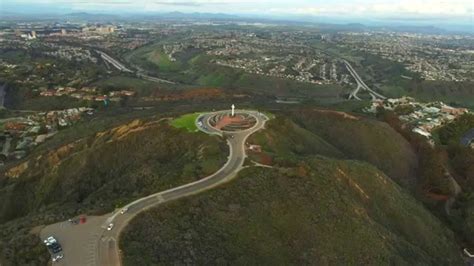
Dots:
pixel 92 243
pixel 140 72
pixel 360 85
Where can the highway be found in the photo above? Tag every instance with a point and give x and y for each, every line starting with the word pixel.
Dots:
pixel 114 62
pixel 122 67
pixel 154 79
pixel 361 85
pixel 91 244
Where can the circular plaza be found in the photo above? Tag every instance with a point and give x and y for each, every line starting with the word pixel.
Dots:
pixel 226 122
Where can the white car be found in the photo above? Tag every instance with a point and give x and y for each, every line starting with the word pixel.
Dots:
pixel 50 240
pixel 124 210
pixel 110 226
pixel 58 257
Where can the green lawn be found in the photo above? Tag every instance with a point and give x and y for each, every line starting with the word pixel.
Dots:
pixel 162 61
pixel 269 115
pixel 187 121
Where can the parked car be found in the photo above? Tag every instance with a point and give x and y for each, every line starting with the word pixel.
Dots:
pixel 110 226
pixel 50 240
pixel 55 248
pixel 58 257
pixel 53 245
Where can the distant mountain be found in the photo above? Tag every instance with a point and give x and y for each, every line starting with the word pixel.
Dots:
pixel 91 16
pixel 194 15
pixel 326 22
pixel 417 29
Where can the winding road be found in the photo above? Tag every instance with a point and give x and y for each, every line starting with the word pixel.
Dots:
pixel 91 244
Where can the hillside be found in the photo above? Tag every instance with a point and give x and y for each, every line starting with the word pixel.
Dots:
pixel 363 139
pixel 283 138
pixel 95 175
pixel 319 211
pixel 196 67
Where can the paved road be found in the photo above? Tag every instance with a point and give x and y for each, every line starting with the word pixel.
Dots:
pixel 114 62
pixel 360 85
pixel 91 244
pixel 140 73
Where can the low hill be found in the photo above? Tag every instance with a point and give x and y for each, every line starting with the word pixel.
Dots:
pixel 319 211
pixel 363 139
pixel 95 175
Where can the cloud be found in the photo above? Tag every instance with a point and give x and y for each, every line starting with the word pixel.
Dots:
pixel 349 8
pixel 177 3
pixel 189 3
pixel 400 8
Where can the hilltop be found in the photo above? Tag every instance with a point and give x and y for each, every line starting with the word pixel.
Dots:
pixel 337 189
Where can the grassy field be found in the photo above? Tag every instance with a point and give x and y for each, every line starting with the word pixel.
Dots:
pixel 163 61
pixel 187 121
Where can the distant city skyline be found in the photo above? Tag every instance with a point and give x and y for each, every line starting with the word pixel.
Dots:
pixel 416 11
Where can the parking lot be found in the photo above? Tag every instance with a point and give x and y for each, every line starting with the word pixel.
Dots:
pixel 72 237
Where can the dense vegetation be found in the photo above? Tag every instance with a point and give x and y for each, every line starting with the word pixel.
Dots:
pixel 442 166
pixel 363 139
pixel 306 208
pixel 317 211
pixel 95 175
pixel 461 162
pixel 285 141
pixel 453 132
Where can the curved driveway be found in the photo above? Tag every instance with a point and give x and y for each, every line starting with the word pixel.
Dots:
pixel 101 246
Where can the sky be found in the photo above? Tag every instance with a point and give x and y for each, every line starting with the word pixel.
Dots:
pixel 456 11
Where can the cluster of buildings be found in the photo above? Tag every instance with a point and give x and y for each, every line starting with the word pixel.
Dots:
pixel 298 68
pixel 171 49
pixel 20 135
pixel 87 93
pixel 283 55
pixel 99 29
pixel 7 65
pixel 34 32
pixel 70 53
pixel 434 57
pixel 422 117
